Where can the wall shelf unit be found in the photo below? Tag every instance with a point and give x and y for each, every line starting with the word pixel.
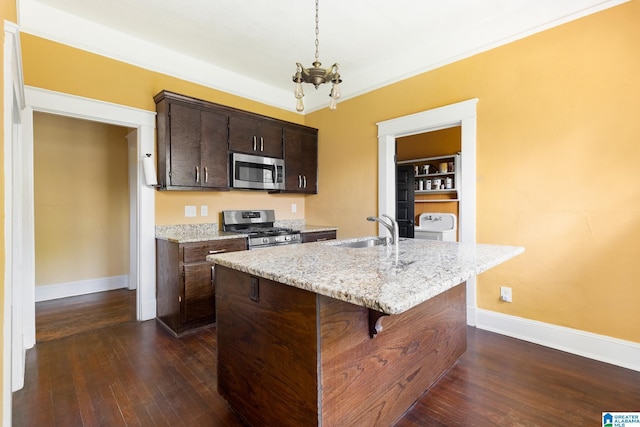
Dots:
pixel 436 176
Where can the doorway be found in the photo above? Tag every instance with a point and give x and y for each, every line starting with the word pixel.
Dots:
pixel 81 215
pixel 434 190
pixel 462 114
pixel 142 253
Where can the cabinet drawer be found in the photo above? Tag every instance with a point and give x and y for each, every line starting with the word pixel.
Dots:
pixel 197 252
pixel 318 236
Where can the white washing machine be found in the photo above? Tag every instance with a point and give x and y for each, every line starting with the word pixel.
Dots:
pixel 436 226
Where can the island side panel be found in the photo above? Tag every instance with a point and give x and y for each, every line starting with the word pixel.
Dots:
pixel 373 381
pixel 267 350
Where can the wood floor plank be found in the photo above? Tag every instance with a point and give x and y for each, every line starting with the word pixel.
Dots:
pixel 135 373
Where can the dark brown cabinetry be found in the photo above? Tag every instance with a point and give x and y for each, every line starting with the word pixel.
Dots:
pixel 255 135
pixel 301 160
pixel 185 287
pixel 192 144
pixel 317 236
pixel 195 138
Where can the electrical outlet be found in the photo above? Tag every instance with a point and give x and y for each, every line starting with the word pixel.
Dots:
pixel 204 210
pixel 294 208
pixel 505 294
pixel 190 211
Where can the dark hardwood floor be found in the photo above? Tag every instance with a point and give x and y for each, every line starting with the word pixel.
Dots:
pixel 69 316
pixel 136 374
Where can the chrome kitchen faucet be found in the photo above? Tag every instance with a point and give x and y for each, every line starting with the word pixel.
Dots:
pixel 392 226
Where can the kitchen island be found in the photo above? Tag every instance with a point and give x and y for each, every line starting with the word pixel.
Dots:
pixel 326 335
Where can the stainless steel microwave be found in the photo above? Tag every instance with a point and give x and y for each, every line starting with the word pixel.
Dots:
pixel 256 172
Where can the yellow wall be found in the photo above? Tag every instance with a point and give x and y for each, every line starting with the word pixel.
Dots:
pixel 64 69
pixel 81 199
pixel 429 144
pixel 556 166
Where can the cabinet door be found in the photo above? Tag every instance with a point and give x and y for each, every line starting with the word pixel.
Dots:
pixel 405 199
pixel 184 151
pixel 301 161
pixel 252 135
pixel 270 138
pixel 199 293
pixel 242 134
pixel 214 160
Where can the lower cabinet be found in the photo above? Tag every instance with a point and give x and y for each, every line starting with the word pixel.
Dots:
pixel 316 236
pixel 184 282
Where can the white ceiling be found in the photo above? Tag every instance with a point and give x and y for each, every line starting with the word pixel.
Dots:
pixel 250 47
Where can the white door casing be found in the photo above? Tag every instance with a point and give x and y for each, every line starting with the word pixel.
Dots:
pixel 143 206
pixel 14 273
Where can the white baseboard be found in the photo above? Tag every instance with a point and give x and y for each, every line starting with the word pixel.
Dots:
pixel 593 346
pixel 81 287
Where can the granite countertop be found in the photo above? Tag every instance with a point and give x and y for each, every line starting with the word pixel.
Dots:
pixel 387 279
pixel 188 233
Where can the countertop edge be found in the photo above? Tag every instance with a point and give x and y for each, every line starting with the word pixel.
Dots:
pixel 397 305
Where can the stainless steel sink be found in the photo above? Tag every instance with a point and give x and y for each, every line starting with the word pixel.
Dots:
pixel 364 242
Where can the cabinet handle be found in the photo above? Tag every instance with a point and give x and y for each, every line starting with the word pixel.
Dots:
pixel 299 181
pixel 254 290
pixel 261 144
pixel 304 180
pixel 213 275
pixel 255 143
pixel 206 174
pixel 197 174
pixel 217 251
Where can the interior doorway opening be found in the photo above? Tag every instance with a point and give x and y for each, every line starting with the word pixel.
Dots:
pixel 422 185
pixel 461 114
pixel 81 206
pixel 82 218
pixel 142 207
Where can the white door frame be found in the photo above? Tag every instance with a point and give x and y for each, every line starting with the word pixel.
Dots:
pixel 461 114
pixel 12 329
pixel 142 208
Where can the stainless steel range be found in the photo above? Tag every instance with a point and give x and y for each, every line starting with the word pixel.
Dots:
pixel 258 225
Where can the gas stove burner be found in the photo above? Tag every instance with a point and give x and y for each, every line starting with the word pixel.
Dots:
pixel 258 225
pixel 265 231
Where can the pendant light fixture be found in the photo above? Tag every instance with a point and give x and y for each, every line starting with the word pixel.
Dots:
pixel 316 76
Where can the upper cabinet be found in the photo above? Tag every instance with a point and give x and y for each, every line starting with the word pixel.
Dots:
pixel 192 144
pixel 301 160
pixel 255 135
pixel 195 138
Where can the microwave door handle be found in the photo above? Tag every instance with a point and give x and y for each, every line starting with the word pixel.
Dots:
pixel 274 175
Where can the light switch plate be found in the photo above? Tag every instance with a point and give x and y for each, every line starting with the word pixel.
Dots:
pixel 190 211
pixel 204 210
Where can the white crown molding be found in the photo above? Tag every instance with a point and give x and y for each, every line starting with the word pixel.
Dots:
pixel 593 346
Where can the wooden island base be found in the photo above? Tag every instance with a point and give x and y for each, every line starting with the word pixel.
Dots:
pixel 290 357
